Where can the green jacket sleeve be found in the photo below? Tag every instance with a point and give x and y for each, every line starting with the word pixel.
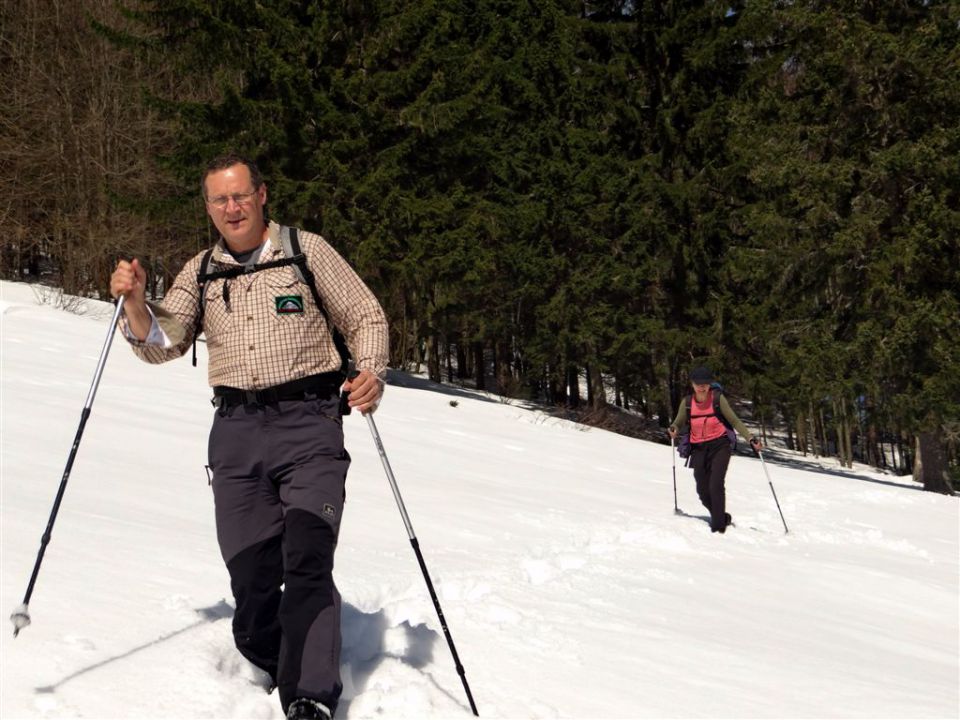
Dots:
pixel 681 418
pixel 732 418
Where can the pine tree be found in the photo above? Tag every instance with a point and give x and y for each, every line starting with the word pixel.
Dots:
pixel 849 225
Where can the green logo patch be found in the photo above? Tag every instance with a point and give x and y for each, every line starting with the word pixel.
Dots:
pixel 288 304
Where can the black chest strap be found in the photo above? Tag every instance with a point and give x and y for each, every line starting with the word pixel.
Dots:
pixel 294 256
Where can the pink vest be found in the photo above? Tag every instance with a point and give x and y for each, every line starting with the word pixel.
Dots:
pixel 703 428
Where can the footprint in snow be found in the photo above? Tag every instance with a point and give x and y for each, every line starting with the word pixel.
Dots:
pixel 79 641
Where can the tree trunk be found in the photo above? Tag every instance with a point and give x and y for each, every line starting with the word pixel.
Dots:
pixel 433 358
pixel 479 369
pixel 449 353
pixel 573 386
pixel 814 439
pixel 589 371
pixel 824 437
pixel 598 396
pixel 557 386
pixel 414 347
pixel 930 464
pixel 801 433
pixel 463 371
pixel 906 457
pixel 502 370
pixel 838 422
pixel 874 451
pixel 845 434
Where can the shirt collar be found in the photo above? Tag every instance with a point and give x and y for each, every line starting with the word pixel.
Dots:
pixel 270 246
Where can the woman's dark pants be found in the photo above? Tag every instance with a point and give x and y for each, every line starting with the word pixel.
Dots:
pixel 709 461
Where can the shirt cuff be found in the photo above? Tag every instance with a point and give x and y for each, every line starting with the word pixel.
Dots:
pixel 155 337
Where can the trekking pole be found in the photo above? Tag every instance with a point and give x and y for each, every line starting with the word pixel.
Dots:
pixel 21 616
pixel 760 453
pixel 416 549
pixel 673 454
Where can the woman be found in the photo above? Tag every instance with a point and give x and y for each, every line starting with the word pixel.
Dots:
pixel 709 443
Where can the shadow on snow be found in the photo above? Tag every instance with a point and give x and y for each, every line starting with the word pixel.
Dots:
pixel 365 647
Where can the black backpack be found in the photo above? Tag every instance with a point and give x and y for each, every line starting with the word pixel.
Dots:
pixel 293 255
pixel 683 447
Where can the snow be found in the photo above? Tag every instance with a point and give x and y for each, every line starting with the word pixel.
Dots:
pixel 570 587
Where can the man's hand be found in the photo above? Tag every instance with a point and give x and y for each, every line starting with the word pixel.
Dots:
pixel 130 280
pixel 364 391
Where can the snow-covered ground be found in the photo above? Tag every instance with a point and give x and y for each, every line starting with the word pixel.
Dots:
pixel 570 587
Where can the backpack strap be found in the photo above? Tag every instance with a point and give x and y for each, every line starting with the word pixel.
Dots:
pixel 716 392
pixel 715 398
pixel 731 432
pixel 203 275
pixel 290 242
pixel 690 414
pixel 292 255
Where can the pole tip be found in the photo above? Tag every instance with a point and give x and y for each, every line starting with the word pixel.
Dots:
pixel 20 619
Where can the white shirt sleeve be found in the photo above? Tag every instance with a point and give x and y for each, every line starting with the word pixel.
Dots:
pixel 156 336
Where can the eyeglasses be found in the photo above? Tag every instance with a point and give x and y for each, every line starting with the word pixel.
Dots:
pixel 220 201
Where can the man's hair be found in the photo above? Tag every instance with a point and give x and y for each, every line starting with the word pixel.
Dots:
pixel 222 162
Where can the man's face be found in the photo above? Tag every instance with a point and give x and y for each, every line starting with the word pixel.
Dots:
pixel 235 207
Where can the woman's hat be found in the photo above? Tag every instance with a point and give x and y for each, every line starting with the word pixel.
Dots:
pixel 701 375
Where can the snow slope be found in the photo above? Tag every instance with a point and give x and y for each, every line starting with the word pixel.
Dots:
pixel 570 587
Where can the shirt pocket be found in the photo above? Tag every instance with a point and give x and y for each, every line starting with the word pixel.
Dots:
pixel 288 305
pixel 287 295
pixel 217 316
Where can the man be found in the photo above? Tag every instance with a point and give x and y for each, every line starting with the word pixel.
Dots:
pixel 276 444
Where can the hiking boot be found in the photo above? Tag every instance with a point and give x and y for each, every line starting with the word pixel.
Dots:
pixel 307 709
pixel 727 522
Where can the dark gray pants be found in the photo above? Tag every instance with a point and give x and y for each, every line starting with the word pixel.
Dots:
pixel 709 461
pixel 279 473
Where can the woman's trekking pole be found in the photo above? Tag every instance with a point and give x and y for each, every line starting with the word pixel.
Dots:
pixel 673 454
pixel 760 453
pixel 21 616
pixel 416 549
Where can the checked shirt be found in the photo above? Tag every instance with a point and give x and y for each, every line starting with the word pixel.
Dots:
pixel 264 328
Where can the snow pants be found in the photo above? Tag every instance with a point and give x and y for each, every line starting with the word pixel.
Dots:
pixel 709 461
pixel 279 474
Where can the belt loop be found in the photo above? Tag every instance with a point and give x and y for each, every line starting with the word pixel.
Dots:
pixel 250 397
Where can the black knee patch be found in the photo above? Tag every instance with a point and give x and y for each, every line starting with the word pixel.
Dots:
pixel 256 574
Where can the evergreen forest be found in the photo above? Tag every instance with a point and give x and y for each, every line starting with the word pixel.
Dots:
pixel 567 202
